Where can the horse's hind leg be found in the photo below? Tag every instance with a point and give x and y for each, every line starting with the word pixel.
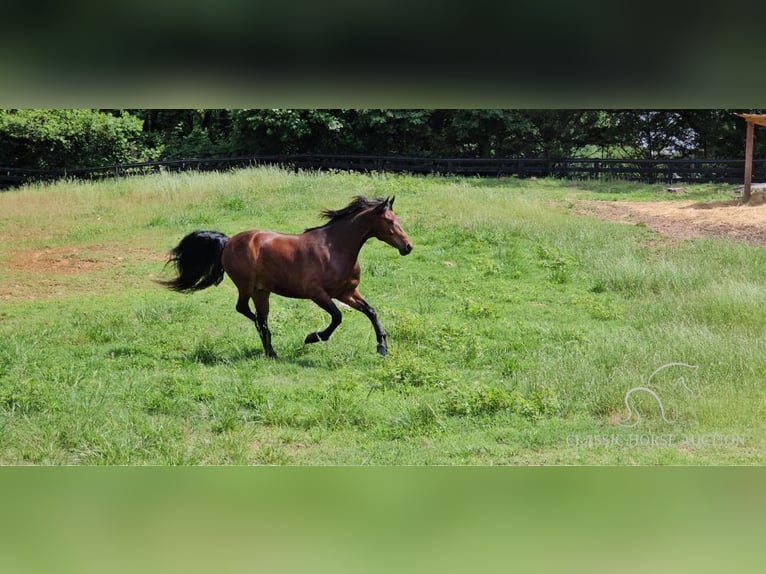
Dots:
pixel 325 302
pixel 243 307
pixel 261 302
pixel 260 320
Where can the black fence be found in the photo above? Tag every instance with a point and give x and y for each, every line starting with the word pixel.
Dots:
pixel 649 171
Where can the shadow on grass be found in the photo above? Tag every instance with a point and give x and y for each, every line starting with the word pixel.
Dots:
pixel 209 356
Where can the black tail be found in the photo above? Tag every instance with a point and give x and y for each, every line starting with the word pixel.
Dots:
pixel 197 259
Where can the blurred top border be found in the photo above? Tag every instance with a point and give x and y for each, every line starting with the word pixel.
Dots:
pixel 486 54
pixel 210 91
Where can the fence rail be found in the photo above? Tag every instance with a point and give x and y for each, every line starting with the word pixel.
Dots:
pixel 649 171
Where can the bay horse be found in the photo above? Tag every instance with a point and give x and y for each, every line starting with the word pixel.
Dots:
pixel 320 264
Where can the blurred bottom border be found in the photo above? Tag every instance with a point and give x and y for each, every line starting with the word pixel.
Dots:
pixel 381 519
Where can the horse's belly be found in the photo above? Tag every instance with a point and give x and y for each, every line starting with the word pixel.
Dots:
pixel 287 292
pixel 340 288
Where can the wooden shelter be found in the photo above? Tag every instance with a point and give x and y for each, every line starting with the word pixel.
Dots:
pixel 752 120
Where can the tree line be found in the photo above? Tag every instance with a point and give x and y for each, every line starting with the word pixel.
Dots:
pixel 74 138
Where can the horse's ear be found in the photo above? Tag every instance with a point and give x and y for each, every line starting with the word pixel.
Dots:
pixel 391 202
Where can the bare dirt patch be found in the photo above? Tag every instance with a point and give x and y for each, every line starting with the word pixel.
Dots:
pixel 31 274
pixel 689 219
pixel 55 261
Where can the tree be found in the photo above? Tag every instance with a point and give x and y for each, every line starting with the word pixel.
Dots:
pixel 285 131
pixel 77 138
pixel 187 133
pixel 721 134
pixel 482 133
pixel 68 138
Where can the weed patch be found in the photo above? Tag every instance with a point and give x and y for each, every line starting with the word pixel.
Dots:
pixel 479 399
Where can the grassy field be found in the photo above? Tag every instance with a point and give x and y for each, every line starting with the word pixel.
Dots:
pixel 516 329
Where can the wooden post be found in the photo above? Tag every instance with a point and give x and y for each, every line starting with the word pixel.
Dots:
pixel 748 162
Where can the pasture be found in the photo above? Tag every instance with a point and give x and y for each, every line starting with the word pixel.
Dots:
pixel 516 329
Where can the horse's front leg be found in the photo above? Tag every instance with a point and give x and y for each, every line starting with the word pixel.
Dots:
pixel 356 301
pixel 325 302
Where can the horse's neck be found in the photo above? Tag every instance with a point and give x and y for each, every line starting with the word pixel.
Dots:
pixel 348 237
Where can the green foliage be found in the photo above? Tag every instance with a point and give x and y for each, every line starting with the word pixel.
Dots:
pixel 78 138
pixel 408 371
pixel 187 133
pixel 196 143
pixel 283 131
pixel 558 265
pixel 68 138
pixel 479 399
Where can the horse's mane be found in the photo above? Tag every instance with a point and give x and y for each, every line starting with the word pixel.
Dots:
pixel 357 205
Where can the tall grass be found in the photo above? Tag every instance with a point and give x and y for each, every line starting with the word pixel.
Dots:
pixel 516 327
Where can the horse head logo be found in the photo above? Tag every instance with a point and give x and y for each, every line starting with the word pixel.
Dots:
pixel 633 416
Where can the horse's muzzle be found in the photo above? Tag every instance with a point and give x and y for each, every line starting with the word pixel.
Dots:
pixel 406 250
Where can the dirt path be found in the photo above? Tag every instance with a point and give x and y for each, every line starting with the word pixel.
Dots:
pixel 687 219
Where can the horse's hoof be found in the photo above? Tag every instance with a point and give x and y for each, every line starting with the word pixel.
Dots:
pixel 382 350
pixel 312 338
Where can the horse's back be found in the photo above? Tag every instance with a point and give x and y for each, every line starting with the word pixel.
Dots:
pixel 263 260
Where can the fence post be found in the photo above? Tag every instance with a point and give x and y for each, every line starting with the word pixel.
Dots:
pixel 748 162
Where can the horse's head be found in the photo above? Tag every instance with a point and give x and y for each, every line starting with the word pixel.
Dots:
pixel 387 228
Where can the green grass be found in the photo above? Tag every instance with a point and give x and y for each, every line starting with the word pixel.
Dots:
pixel 516 327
